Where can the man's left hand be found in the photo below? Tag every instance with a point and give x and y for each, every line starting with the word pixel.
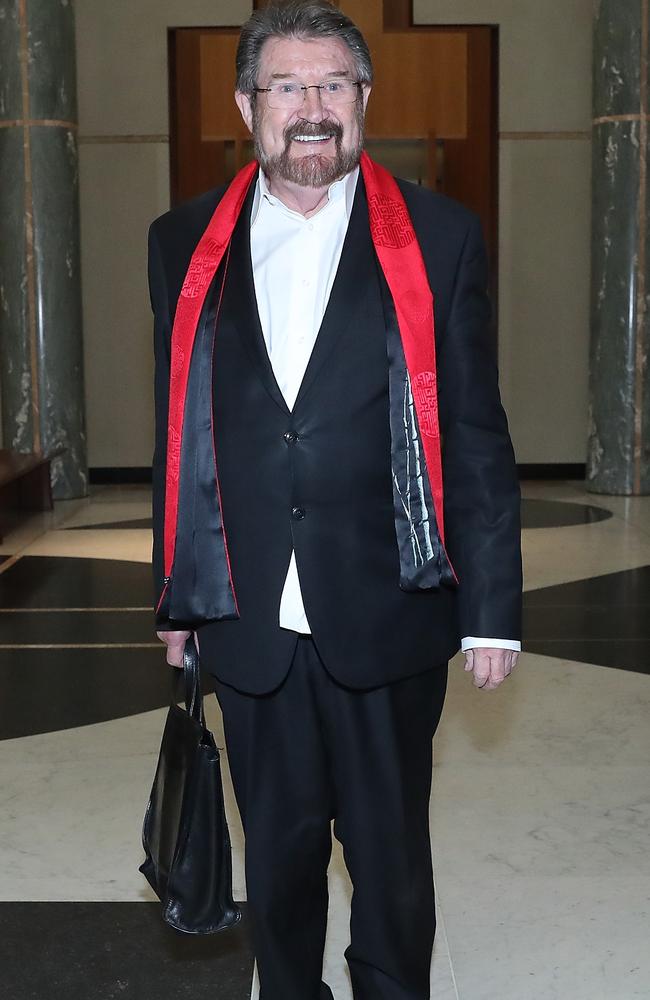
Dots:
pixel 490 666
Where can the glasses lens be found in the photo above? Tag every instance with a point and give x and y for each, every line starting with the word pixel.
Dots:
pixel 285 95
pixel 292 95
pixel 339 91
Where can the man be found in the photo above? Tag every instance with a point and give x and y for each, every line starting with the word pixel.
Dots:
pixel 335 499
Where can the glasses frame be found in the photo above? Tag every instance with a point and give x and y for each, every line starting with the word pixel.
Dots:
pixel 305 88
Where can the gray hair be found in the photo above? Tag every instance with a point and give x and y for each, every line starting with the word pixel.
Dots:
pixel 297 19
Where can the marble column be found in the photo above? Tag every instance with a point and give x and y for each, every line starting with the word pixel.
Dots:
pixel 41 362
pixel 618 459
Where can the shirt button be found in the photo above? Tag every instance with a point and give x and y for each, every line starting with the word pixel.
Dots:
pixel 298 513
pixel 290 437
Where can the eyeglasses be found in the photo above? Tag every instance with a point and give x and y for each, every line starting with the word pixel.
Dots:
pixel 289 95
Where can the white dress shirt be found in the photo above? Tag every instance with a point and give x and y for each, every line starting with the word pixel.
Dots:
pixel 295 260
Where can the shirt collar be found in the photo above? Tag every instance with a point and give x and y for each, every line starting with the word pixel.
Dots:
pixel 345 188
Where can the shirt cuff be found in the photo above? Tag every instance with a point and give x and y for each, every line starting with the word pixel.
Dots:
pixel 471 642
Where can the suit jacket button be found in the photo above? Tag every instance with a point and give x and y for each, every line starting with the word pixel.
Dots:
pixel 298 513
pixel 290 437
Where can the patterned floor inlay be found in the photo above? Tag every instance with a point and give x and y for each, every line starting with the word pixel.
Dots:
pixel 558 514
pixel 603 620
pixel 106 951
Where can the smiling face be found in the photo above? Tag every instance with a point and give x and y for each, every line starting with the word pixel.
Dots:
pixel 315 144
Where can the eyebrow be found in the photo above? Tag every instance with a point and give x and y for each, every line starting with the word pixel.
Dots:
pixel 292 76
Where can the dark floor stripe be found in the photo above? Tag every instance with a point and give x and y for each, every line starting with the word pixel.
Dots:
pixel 626 587
pixel 73 627
pixel 138 522
pixel 603 620
pixel 60 581
pixel 632 656
pixel 106 951
pixel 588 622
pixel 559 514
pixel 46 690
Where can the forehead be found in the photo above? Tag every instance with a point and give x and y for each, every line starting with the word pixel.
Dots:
pixel 305 58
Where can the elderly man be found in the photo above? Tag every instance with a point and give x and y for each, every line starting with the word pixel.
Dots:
pixel 336 507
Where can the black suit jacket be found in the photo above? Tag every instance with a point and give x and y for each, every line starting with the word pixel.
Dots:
pixel 367 630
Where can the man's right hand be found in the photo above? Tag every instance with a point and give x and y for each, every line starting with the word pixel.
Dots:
pixel 175 642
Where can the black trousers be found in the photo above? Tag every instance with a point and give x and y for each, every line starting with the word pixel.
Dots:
pixel 313 750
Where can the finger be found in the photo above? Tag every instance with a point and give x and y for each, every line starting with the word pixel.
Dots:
pixel 492 686
pixel 175 654
pixel 499 661
pixel 175 642
pixel 481 668
pixel 173 637
pixel 469 659
pixel 492 683
pixel 511 661
pixel 498 666
pixel 495 679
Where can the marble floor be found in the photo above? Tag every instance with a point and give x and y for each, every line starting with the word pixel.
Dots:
pixel 540 810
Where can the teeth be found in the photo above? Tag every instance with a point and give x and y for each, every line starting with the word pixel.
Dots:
pixel 311 138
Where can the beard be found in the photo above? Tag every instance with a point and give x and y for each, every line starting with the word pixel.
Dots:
pixel 312 170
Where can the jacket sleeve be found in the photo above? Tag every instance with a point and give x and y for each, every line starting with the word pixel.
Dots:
pixel 161 345
pixel 481 488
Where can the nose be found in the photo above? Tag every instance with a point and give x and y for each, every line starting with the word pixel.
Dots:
pixel 312 109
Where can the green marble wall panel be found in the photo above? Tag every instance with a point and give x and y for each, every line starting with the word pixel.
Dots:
pixel 58 282
pixel 615 234
pixel 617 57
pixel 11 100
pixel 618 458
pixel 52 65
pixel 645 409
pixel 41 364
pixel 15 369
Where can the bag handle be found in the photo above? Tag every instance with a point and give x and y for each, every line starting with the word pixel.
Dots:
pixel 192 681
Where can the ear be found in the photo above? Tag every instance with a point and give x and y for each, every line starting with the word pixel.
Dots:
pixel 243 102
pixel 366 89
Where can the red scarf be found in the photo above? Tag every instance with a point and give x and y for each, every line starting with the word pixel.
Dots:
pixel 399 255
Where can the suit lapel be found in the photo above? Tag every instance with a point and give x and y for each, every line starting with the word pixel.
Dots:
pixel 240 305
pixel 356 266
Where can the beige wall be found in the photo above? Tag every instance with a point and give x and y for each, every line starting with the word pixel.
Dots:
pixel 124 178
pixel 544 214
pixel 545 95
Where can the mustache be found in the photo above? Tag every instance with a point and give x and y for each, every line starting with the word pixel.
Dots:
pixel 326 127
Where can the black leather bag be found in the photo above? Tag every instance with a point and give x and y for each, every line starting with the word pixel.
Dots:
pixel 185 835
